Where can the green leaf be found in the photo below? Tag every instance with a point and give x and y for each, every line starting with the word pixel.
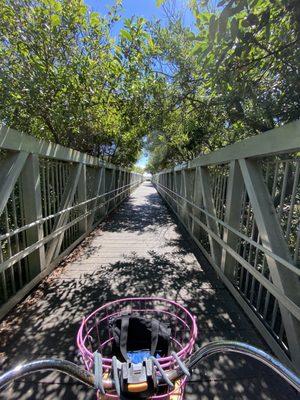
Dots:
pixel 94 19
pixel 125 34
pixel 55 20
pixel 199 47
pixel 159 2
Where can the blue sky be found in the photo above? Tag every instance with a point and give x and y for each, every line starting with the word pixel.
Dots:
pixel 141 8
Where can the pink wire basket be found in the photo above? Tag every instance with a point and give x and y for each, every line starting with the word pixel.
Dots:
pixel 95 334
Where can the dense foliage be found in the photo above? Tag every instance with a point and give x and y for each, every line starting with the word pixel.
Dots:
pixel 65 79
pixel 233 73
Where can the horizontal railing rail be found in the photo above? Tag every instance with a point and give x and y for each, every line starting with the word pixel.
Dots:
pixel 51 197
pixel 241 205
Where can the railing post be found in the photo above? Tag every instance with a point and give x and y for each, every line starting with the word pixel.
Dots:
pixel 187 183
pixel 31 183
pixel 197 200
pixel 177 184
pixel 61 220
pixel 108 187
pixel 82 196
pixel 210 208
pixel 234 199
pixel 272 239
pixel 10 169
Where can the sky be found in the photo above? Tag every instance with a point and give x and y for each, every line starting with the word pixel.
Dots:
pixel 141 8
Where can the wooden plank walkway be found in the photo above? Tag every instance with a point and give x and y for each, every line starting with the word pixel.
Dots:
pixel 139 250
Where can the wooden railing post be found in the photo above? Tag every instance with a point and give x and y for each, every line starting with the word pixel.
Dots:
pixel 272 239
pixel 187 193
pixel 198 201
pixel 82 196
pixel 100 190
pixel 177 189
pixel 208 203
pixel 108 187
pixel 31 183
pixel 234 200
pixel 61 220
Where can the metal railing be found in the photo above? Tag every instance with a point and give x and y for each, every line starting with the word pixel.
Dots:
pixel 51 197
pixel 241 205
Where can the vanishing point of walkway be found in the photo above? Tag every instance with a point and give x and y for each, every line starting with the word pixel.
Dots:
pixel 139 250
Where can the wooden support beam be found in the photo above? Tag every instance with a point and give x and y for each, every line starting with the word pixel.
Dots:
pixel 234 200
pixel 100 189
pixel 67 200
pixel 10 169
pixel 112 187
pixel 177 188
pixel 198 200
pixel 209 207
pixel 272 238
pixel 82 196
pixel 31 183
pixel 188 177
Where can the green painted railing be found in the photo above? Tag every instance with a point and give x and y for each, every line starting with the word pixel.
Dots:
pixel 241 205
pixel 51 197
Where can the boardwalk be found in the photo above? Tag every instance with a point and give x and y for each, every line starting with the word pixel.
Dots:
pixel 140 250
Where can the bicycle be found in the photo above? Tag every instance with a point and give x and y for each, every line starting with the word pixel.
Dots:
pixel 142 348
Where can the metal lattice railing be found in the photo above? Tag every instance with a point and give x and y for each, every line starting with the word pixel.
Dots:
pixel 51 197
pixel 241 205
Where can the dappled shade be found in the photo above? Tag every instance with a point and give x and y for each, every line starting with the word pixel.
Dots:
pixel 138 251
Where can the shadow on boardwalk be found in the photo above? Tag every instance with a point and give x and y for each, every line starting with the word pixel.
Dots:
pixel 45 325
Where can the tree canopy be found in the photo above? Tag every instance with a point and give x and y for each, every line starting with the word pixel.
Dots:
pixel 183 90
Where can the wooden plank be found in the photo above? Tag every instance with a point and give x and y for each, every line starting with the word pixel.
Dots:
pixel 10 169
pixel 272 238
pixel 31 183
pixel 209 206
pixel 234 200
pixel 61 220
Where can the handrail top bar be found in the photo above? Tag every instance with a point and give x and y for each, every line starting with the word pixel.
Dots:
pixel 10 139
pixel 284 139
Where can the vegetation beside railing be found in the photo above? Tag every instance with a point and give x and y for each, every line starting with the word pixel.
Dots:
pixel 51 197
pixel 241 206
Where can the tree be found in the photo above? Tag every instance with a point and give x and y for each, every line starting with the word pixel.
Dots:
pixel 65 79
pixel 233 75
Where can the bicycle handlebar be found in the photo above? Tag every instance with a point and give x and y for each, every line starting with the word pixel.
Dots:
pixel 203 353
pixel 66 367
pixel 226 346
